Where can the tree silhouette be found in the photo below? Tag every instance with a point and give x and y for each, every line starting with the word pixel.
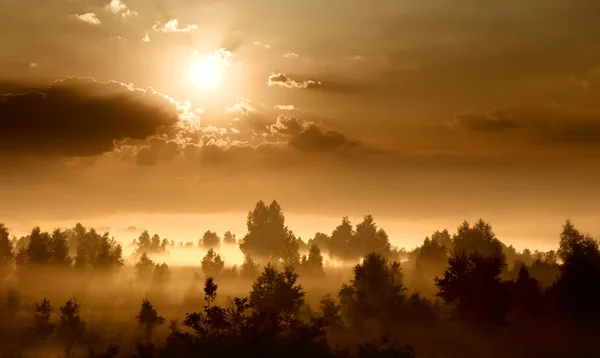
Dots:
pixel 477 238
pixel 369 239
pixel 250 269
pixel 212 264
pixel 149 317
pixel 59 247
pixel 578 285
pixel 376 293
pixel 472 283
pixel 267 236
pixel 313 264
pixel 210 240
pixel 7 255
pixel 229 238
pixel 12 305
pixel 41 319
pixel 275 291
pixel 144 268
pixel 38 251
pixel 71 329
pixel 97 252
pixel 340 245
pixel 330 311
pixel 162 274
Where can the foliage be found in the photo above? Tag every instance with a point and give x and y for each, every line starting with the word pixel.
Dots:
pixel 210 240
pixel 212 264
pixel 149 317
pixel 275 291
pixel 41 319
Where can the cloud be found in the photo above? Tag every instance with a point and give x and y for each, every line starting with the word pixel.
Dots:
pixel 282 80
pixel 117 7
pixel 291 55
pixel 172 26
pixel 551 125
pixel 146 38
pixel 90 18
pixel 282 107
pixel 81 117
pixel 257 43
pixel 494 121
pixel 309 137
pixel 240 107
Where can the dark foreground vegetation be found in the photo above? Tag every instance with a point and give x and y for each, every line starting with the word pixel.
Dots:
pixel 69 293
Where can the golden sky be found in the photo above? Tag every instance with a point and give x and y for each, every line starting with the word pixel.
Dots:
pixel 422 113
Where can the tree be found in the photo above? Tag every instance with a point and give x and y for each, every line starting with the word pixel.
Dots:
pixel 71 329
pixel 275 291
pixel 313 264
pixel 443 238
pixel 59 247
pixel 38 251
pixel 330 311
pixel 162 274
pixel 477 238
pixel 472 283
pixel 340 245
pixel 229 238
pixel 321 240
pixel 430 261
pixel 97 252
pixel 376 293
pixel 147 244
pixel 249 269
pixel 369 239
pixel 267 236
pixel 210 240
pixel 7 255
pixel 212 264
pixel 578 285
pixel 149 317
pixel 41 318
pixel 144 268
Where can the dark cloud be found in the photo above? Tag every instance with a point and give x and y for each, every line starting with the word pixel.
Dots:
pixel 81 117
pixel 493 121
pixel 282 80
pixel 549 126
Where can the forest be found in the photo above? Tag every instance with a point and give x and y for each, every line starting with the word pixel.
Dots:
pixel 349 293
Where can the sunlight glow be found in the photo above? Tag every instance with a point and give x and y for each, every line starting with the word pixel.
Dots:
pixel 207 72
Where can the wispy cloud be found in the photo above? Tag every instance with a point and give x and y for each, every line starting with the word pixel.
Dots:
pixel 89 17
pixel 258 43
pixel 291 55
pixel 146 38
pixel 282 80
pixel 172 26
pixel 284 107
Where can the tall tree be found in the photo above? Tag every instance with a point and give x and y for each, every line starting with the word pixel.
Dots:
pixel 212 264
pixel 313 264
pixel 229 238
pixel 267 236
pixel 210 240
pixel 472 283
pixel 59 247
pixel 41 318
pixel 275 291
pixel 368 238
pixel 149 317
pixel 342 238
pixel 38 251
pixel 7 255
pixel 477 238
pixel 144 268
pixel 578 285
pixel 376 293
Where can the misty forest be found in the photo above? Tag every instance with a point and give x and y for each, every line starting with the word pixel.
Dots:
pixel 348 293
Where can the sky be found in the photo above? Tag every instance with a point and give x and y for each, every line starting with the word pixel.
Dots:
pixel 179 115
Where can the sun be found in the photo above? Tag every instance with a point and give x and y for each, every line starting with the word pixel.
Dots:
pixel 207 72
